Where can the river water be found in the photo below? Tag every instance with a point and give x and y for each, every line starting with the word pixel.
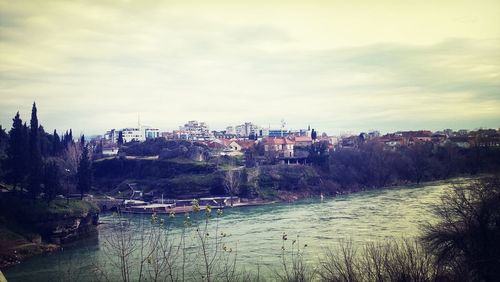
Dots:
pixel 256 232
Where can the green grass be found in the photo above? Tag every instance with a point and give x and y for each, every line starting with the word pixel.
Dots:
pixel 18 208
pixel 200 179
pixel 71 207
pixel 184 161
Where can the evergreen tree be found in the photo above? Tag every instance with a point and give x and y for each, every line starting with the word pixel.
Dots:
pixel 17 153
pixel 84 172
pixel 45 141
pixel 314 134
pixel 4 142
pixel 65 139
pixel 56 144
pixel 120 138
pixel 51 181
pixel 36 164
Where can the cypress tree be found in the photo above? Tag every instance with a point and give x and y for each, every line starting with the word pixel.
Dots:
pixel 17 153
pixel 65 139
pixel 120 138
pixel 56 144
pixel 314 134
pixel 51 181
pixel 36 164
pixel 84 173
pixel 4 141
pixel 45 141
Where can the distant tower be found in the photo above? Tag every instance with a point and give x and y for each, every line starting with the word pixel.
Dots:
pixel 283 123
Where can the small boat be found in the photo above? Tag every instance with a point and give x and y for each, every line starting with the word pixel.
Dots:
pixel 149 208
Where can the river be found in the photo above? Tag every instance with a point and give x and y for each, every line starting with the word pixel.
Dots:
pixel 256 232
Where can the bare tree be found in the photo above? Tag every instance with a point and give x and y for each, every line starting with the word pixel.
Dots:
pixel 466 238
pixel 148 251
pixel 71 156
pixel 293 267
pixel 404 260
pixel 232 182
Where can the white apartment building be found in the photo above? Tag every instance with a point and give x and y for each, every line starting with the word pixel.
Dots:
pixel 111 136
pixel 230 130
pixel 133 134
pixel 152 133
pixel 245 129
pixel 196 130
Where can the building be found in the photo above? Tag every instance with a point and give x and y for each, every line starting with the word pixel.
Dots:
pixel 350 142
pixel 152 133
pixel 460 141
pixel 194 130
pixel 243 130
pixel 230 130
pixel 139 134
pixel 303 141
pixel 110 150
pixel 278 147
pixel 415 137
pixel 275 133
pixel 133 134
pixel 246 144
pixel 111 136
pixel 234 146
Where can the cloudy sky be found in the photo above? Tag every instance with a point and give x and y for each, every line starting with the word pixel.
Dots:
pixel 341 66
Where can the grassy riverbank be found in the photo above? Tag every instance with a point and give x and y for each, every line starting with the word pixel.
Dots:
pixel 29 228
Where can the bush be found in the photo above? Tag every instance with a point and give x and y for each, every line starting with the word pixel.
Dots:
pixel 466 240
pixel 406 260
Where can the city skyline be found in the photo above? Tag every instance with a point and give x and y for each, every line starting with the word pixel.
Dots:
pixel 336 66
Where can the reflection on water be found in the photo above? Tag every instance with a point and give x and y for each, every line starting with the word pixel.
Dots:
pixel 256 231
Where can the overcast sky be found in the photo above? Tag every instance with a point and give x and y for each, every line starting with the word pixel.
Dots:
pixel 340 66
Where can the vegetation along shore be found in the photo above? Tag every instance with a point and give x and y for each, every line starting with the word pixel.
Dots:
pixel 51 185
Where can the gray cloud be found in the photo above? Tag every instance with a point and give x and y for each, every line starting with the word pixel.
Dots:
pixel 96 67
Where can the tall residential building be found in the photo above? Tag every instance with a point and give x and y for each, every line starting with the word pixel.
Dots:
pixel 196 130
pixel 245 129
pixel 230 130
pixel 111 136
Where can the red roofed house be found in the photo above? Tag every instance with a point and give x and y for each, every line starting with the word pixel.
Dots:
pixel 303 141
pixel 279 147
pixel 234 146
pixel 246 144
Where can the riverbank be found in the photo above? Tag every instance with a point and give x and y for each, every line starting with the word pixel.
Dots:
pixel 291 196
pixel 29 228
pixel 15 248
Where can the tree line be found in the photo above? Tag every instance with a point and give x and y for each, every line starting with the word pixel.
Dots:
pixel 36 163
pixel 372 165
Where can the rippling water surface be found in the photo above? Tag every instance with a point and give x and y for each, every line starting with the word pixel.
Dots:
pixel 256 231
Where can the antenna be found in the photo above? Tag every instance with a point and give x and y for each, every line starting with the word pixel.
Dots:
pixel 139 120
pixel 283 123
